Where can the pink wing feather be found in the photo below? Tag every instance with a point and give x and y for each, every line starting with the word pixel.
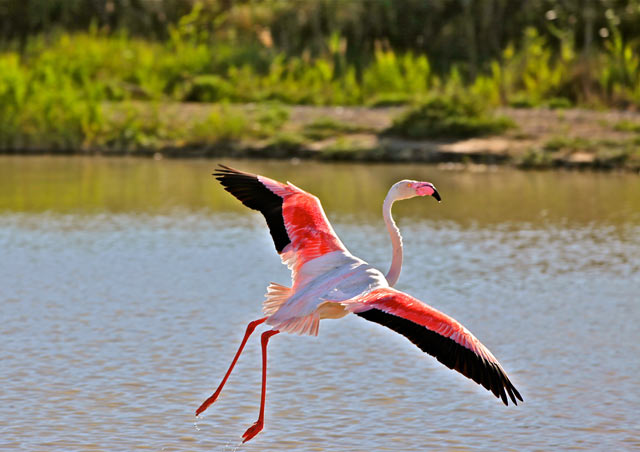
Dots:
pixel 306 224
pixel 299 227
pixel 438 335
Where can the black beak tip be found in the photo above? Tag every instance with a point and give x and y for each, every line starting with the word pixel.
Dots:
pixel 437 195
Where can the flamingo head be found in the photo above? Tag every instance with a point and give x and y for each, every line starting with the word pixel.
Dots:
pixel 406 189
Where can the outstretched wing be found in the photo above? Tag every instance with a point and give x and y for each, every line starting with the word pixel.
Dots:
pixel 296 220
pixel 438 335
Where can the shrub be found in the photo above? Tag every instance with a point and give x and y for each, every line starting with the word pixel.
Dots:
pixel 327 127
pixel 536 158
pixel 208 88
pixel 448 118
pixel 222 124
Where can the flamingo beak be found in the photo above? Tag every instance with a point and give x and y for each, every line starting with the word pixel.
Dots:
pixel 427 188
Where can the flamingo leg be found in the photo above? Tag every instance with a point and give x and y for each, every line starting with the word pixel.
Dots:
pixel 250 327
pixel 259 424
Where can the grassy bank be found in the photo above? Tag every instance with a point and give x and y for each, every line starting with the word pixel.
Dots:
pixel 534 138
pixel 104 92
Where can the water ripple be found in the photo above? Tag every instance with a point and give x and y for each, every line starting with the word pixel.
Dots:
pixel 116 326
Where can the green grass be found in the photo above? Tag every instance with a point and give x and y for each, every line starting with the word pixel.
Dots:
pixel 561 143
pixel 558 103
pixel 627 126
pixel 221 125
pixel 448 118
pixel 286 142
pixel 270 119
pixel 606 153
pixel 326 127
pixel 625 155
pixel 195 67
pixel 572 144
pixel 59 91
pixel 535 159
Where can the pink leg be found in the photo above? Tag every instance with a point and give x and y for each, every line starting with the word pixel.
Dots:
pixel 259 424
pixel 250 327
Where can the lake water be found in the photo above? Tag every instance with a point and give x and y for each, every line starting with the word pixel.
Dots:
pixel 126 285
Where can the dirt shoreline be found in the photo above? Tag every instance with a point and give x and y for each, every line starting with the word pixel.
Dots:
pixel 542 138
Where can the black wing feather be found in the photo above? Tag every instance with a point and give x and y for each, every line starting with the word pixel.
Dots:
pixel 247 188
pixel 450 353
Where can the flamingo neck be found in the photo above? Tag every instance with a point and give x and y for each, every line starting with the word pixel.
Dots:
pixel 396 240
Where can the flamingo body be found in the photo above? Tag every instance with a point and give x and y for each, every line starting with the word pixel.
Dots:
pixel 323 270
pixel 329 282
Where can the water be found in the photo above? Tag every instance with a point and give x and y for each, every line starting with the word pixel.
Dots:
pixel 126 285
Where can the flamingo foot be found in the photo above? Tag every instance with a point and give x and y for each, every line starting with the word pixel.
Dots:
pixel 208 402
pixel 250 327
pixel 253 430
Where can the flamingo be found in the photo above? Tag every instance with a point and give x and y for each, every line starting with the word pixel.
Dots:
pixel 328 282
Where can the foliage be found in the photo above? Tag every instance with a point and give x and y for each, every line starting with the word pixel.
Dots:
pixel 536 158
pixel 569 144
pixel 391 74
pixel 466 34
pixel 325 127
pixel 620 74
pixel 270 119
pixel 286 141
pixel 221 125
pixel 128 128
pixel 42 108
pixel 58 89
pixel 207 88
pixel 626 125
pixel 453 117
pixel 192 65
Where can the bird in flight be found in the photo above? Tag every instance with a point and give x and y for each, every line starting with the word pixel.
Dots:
pixel 328 282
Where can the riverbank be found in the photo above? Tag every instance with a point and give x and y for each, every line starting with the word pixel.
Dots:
pixel 539 138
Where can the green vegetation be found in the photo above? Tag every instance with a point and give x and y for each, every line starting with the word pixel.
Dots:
pixel 43 108
pixel 536 159
pixel 574 144
pixel 271 118
pixel 583 152
pixel 466 34
pixel 326 127
pixel 84 76
pixel 448 118
pixel 569 144
pixel 285 142
pixel 627 126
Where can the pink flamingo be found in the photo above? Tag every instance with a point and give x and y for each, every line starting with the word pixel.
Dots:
pixel 329 283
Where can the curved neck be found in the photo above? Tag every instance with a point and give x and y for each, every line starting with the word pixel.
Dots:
pixel 396 240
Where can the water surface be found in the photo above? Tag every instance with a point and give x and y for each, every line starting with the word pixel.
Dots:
pixel 126 285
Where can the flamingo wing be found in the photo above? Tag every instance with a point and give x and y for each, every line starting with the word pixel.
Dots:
pixel 438 335
pixel 297 223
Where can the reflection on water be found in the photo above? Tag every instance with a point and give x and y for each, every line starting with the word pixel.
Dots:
pixel 126 284
pixel 90 185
